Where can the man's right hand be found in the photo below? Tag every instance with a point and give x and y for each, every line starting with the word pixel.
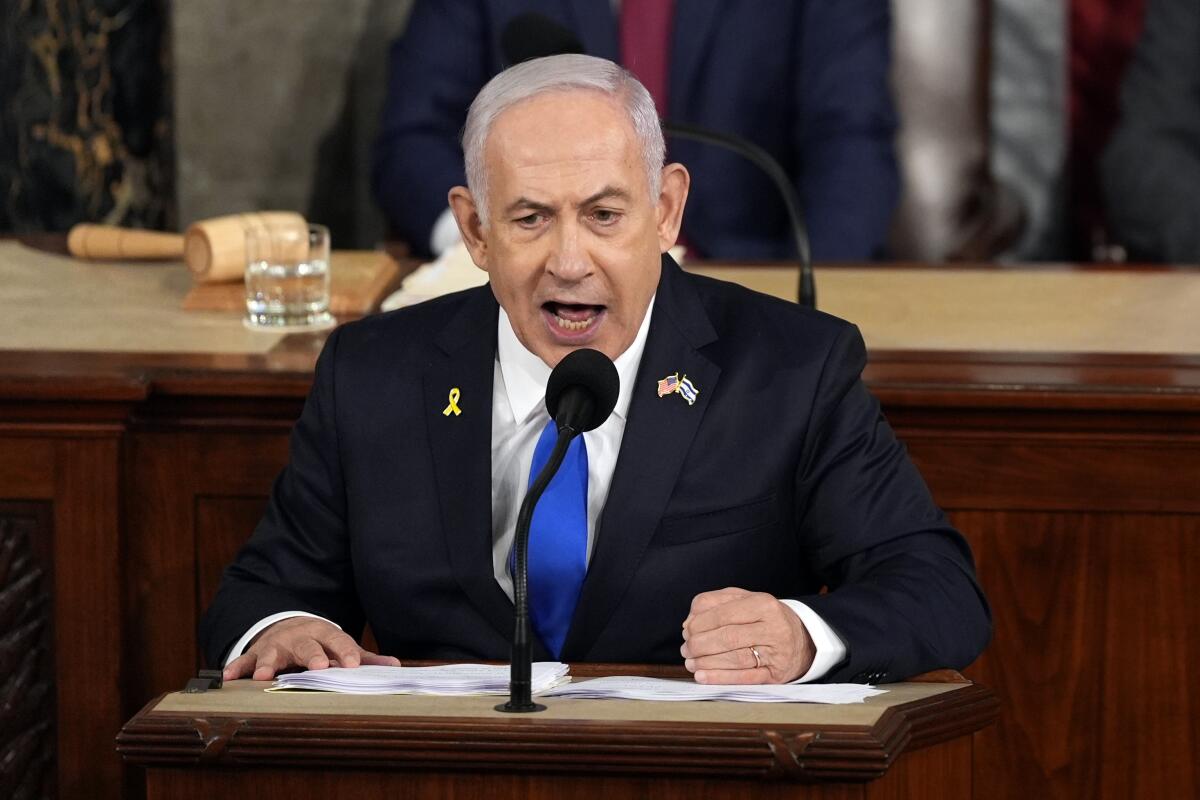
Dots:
pixel 301 642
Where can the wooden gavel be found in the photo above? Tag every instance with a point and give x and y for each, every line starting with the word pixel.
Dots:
pixel 213 249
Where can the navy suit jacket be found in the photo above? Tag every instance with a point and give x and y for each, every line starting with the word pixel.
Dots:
pixel 807 80
pixel 783 478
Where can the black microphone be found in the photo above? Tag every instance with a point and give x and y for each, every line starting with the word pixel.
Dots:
pixel 533 35
pixel 580 395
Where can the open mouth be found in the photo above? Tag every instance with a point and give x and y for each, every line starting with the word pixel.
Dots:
pixel 572 319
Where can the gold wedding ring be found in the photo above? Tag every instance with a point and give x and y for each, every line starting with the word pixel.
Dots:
pixel 757 658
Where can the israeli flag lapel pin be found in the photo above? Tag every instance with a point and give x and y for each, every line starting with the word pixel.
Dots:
pixel 674 384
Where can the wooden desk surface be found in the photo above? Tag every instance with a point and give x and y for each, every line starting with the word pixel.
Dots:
pixel 1090 337
pixel 250 697
pixel 244 725
pixel 1001 310
pixel 52 302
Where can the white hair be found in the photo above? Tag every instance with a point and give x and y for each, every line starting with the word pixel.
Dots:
pixel 555 74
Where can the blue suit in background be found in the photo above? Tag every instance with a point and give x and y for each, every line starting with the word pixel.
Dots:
pixel 806 80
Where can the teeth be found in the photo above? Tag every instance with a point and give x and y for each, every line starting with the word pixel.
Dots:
pixel 573 326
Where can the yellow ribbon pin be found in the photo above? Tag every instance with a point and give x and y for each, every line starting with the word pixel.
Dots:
pixel 453 407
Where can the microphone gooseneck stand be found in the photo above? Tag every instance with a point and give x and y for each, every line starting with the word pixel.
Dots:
pixel 520 687
pixel 807 291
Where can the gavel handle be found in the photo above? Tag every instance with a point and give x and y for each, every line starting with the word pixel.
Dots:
pixel 109 241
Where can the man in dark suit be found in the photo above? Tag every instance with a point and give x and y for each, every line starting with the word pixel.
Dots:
pixel 744 470
pixel 1151 170
pixel 805 80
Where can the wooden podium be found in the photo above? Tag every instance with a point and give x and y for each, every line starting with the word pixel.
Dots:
pixel 914 741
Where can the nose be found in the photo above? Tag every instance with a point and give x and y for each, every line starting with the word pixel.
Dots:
pixel 569 260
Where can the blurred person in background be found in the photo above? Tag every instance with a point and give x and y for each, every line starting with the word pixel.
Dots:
pixel 805 80
pixel 1151 169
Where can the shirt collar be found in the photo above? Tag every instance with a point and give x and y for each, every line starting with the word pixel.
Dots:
pixel 525 374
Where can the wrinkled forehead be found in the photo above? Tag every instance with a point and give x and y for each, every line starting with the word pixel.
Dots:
pixel 561 122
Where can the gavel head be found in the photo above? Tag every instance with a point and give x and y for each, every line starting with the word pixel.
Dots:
pixel 215 249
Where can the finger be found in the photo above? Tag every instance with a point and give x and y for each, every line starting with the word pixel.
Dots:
pixel 309 654
pixel 706 600
pixel 268 663
pixel 742 658
pixel 379 661
pixel 341 647
pixel 749 608
pixel 725 639
pixel 734 676
pixel 240 667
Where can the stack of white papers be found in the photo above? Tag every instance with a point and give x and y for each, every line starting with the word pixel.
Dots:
pixel 453 679
pixel 632 688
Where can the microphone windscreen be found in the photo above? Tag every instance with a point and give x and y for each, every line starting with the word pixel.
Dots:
pixel 588 371
pixel 533 35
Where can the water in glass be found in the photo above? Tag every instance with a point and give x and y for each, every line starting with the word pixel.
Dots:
pixel 290 294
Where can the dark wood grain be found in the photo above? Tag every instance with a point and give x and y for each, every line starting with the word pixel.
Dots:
pixel 70 474
pixel 27 727
pixel 221 525
pixel 193 497
pixel 89 618
pixel 931 773
pixel 421 785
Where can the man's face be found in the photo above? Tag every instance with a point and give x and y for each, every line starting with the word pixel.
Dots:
pixel 573 238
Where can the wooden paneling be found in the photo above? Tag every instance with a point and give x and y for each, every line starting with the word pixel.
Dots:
pixel 1009 469
pixel 27 729
pixel 222 526
pixel 931 773
pixel 164 784
pixel 89 622
pixel 193 499
pixel 26 468
pixel 161 639
pixel 1086 529
pixel 79 536
pixel 1094 639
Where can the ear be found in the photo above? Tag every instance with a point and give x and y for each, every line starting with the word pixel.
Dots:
pixel 671 199
pixel 466 214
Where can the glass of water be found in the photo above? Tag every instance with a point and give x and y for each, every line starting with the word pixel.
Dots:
pixel 287 277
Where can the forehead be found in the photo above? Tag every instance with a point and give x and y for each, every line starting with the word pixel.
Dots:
pixel 562 135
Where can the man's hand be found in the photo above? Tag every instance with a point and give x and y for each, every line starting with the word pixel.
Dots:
pixel 301 642
pixel 726 627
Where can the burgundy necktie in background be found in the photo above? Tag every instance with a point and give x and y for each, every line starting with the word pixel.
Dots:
pixel 646 44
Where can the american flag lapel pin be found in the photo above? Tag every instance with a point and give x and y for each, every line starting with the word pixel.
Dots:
pixel 674 384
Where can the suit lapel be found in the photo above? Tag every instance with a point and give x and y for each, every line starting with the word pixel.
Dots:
pixel 694 26
pixel 596 25
pixel 658 435
pixel 462 453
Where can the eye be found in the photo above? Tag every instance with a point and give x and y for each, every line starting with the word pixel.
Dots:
pixel 530 220
pixel 605 216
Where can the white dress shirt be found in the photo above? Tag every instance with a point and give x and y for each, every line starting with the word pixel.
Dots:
pixel 518 417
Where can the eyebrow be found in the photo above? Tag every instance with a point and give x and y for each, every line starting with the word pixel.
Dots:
pixel 608 192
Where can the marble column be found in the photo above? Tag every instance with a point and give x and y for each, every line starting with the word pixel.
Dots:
pixel 85 114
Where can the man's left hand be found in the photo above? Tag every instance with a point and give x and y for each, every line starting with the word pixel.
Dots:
pixel 727 627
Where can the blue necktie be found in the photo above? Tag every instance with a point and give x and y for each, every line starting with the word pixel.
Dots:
pixel 557 540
